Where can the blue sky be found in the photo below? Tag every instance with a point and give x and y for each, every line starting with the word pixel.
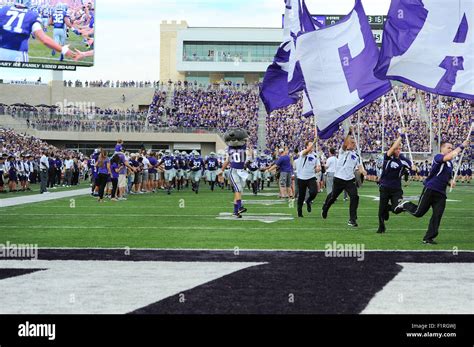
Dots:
pixel 128 31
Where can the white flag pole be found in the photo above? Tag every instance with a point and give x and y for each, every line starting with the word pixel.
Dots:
pixel 453 181
pixel 358 138
pixel 403 124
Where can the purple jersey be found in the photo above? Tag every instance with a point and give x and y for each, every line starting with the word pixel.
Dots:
pixel 196 164
pixel 237 157
pixel 440 175
pixel 59 19
pixel 253 165
pixel 168 161
pixel 16 26
pixel 393 169
pixel 212 164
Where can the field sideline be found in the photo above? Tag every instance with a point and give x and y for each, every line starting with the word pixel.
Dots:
pixel 185 220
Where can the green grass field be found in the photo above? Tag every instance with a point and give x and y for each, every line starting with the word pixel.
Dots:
pixel 187 220
pixel 39 53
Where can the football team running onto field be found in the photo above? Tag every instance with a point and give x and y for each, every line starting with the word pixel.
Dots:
pixel 300 177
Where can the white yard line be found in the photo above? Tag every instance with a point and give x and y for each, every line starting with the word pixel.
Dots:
pixel 343 228
pixel 21 200
pixel 266 250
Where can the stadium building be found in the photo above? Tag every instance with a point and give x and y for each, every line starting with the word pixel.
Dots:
pixel 210 55
pixel 216 54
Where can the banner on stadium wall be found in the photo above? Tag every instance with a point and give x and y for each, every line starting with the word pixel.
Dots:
pixel 337 65
pixel 429 44
pixel 187 146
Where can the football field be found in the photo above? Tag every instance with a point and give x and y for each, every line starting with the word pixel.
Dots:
pixel 184 220
pixel 39 53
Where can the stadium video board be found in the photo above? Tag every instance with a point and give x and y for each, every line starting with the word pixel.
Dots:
pixel 47 34
pixel 376 23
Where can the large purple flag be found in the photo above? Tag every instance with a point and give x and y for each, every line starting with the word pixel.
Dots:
pixel 429 44
pixel 337 64
pixel 274 90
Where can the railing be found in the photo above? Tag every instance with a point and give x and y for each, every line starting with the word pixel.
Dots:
pixel 35 116
pixel 120 128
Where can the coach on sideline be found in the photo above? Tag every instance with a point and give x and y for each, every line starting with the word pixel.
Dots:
pixel 344 178
pixel 306 167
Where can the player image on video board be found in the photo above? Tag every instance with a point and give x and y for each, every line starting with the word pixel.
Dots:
pixel 53 32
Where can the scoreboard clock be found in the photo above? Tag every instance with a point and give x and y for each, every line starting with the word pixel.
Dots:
pixel 376 23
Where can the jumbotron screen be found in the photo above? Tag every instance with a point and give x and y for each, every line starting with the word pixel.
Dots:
pixel 47 34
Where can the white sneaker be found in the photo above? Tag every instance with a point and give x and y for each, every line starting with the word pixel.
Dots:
pixel 400 207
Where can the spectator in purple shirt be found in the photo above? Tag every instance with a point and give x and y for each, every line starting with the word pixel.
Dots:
pixel 284 163
pixel 104 172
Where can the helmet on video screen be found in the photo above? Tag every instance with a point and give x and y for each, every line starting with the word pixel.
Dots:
pixel 23 3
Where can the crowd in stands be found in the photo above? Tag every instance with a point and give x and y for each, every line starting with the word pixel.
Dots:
pixel 289 127
pixel 220 107
pixel 216 108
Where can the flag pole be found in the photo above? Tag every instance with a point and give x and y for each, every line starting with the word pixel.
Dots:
pixel 403 124
pixel 460 160
pixel 316 146
pixel 358 138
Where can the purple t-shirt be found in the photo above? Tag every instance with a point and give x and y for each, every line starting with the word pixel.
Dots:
pixel 103 168
pixel 113 167
pixel 153 161
pixel 123 160
pixel 284 163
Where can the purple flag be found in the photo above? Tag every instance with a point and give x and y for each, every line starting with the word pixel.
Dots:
pixel 274 90
pixel 429 44
pixel 337 64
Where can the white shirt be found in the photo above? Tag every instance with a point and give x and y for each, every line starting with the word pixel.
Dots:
pixel 44 163
pixel 331 164
pixel 306 166
pixel 346 165
pixel 68 163
pixel 295 166
pixel 146 163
